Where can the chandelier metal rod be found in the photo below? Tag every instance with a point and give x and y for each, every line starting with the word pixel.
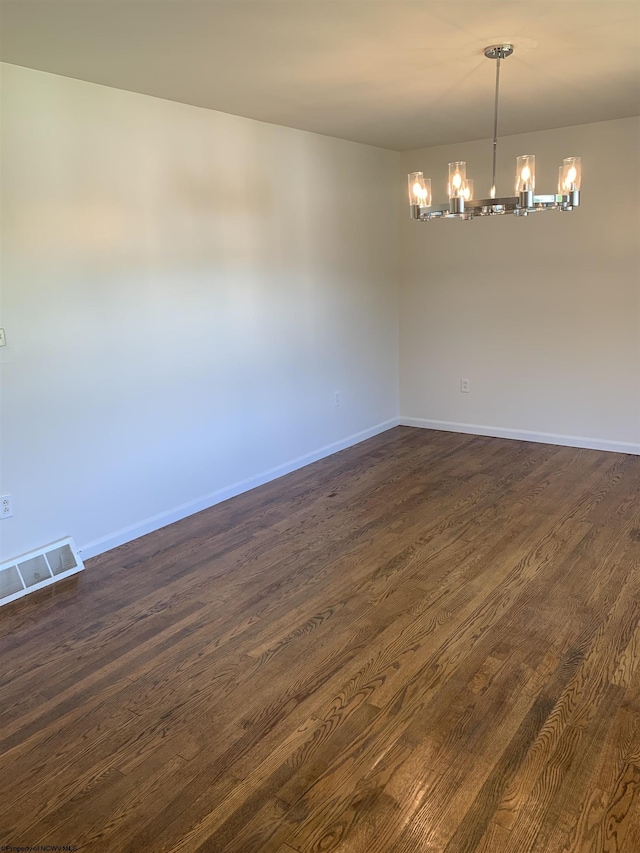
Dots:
pixel 495 128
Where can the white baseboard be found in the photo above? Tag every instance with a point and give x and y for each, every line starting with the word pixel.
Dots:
pixel 526 435
pixel 127 534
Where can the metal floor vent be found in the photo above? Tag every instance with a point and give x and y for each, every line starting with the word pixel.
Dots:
pixel 38 569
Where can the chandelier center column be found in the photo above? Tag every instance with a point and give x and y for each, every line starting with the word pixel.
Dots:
pixel 492 192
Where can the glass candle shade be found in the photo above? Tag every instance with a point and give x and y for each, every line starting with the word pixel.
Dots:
pixel 526 173
pixel 457 178
pixel 570 176
pixel 419 189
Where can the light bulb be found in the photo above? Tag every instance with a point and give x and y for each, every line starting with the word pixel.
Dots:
pixel 457 180
pixel 571 175
pixel 418 191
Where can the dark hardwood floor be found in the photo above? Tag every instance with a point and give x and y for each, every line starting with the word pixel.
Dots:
pixel 428 642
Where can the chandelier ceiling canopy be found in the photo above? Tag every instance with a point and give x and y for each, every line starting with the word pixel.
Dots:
pixel 462 202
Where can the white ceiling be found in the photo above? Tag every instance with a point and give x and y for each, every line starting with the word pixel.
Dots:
pixel 395 74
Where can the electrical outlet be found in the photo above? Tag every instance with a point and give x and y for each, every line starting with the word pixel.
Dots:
pixel 3 338
pixel 336 398
pixel 6 506
pixel 465 386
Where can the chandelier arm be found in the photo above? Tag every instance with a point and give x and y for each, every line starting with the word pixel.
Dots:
pixel 495 128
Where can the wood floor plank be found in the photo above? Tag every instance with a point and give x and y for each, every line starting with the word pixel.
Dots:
pixel 428 642
pixel 622 809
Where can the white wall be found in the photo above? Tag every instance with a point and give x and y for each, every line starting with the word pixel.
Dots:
pixel 541 314
pixel 183 291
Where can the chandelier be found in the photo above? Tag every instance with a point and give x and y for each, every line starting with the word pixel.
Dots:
pixel 463 205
